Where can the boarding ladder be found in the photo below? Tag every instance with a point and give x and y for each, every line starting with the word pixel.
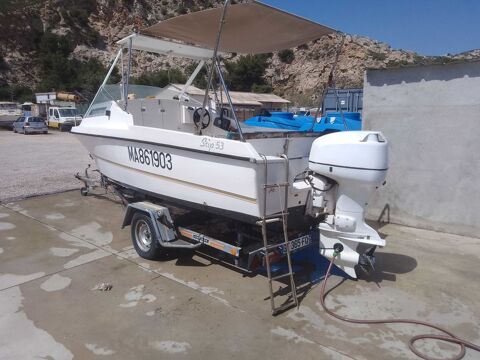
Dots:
pixel 269 248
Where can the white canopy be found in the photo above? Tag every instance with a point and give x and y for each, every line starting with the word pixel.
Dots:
pixel 250 28
pixel 159 46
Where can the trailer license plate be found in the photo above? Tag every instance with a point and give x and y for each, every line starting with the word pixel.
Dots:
pixel 297 244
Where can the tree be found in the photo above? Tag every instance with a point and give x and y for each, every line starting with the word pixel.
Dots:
pixel 160 78
pixel 261 88
pixel 247 71
pixel 18 93
pixel 59 72
pixel 56 69
pixel 90 75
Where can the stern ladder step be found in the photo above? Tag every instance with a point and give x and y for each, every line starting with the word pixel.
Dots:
pixel 267 247
pixel 281 276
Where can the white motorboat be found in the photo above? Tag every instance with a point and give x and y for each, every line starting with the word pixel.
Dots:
pixel 169 146
pixel 9 112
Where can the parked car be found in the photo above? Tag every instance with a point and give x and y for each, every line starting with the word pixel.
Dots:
pixel 29 125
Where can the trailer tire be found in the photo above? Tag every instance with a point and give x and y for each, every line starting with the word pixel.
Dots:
pixel 144 237
pixel 84 191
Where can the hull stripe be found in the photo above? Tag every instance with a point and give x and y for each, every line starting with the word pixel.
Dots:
pixel 183 182
pixel 242 158
pixel 346 167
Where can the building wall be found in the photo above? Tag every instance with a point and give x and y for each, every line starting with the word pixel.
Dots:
pixel 431 118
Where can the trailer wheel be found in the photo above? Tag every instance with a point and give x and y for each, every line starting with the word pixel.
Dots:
pixel 84 191
pixel 144 239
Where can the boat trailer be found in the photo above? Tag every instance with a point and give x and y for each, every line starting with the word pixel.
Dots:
pixel 241 248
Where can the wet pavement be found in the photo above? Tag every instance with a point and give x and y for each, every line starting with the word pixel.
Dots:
pixel 57 250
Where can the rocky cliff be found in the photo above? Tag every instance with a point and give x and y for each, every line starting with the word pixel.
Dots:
pixel 93 26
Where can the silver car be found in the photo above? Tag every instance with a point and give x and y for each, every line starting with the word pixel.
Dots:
pixel 29 125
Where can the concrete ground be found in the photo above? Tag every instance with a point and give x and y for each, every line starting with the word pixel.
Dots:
pixel 39 164
pixel 55 250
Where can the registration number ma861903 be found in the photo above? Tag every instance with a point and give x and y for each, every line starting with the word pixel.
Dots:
pixel 150 157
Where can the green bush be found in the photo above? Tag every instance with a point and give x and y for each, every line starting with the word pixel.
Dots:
pixel 51 43
pixel 89 77
pixel 397 63
pixel 379 56
pixel 247 71
pixel 286 56
pixel 80 16
pixel 181 9
pixel 261 88
pixel 160 78
pixel 59 72
pixel 56 69
pixel 17 93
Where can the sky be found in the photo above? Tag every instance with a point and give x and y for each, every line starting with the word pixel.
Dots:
pixel 429 27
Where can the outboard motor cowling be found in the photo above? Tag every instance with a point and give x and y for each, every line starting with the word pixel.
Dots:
pixel 355 163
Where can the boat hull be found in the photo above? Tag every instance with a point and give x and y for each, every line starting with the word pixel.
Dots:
pixel 7 120
pixel 216 174
pixel 227 185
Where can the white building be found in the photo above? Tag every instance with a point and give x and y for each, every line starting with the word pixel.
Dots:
pixel 246 104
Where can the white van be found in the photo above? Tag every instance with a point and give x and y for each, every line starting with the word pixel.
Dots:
pixel 63 118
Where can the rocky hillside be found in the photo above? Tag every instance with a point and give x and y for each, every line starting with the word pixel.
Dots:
pixel 93 26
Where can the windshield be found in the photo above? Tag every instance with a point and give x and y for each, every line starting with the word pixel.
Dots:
pixel 67 112
pixel 35 119
pixel 8 106
pixel 112 92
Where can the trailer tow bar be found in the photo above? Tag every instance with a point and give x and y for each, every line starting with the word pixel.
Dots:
pixel 90 183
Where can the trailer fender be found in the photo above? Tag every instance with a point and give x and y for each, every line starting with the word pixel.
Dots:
pixel 159 215
pixel 127 219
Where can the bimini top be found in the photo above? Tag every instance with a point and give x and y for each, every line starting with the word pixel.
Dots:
pixel 249 28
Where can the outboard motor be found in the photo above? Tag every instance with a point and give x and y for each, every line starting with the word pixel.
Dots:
pixel 347 167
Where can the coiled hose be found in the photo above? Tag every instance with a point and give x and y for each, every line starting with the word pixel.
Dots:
pixel 449 337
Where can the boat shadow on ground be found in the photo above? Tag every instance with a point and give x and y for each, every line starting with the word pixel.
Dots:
pixel 388 266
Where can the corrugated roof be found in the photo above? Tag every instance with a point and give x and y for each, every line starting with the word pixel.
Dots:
pixel 238 97
pixel 192 90
pixel 249 96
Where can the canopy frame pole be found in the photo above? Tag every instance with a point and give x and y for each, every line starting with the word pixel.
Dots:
pixel 214 57
pixel 115 60
pixel 123 75
pixel 330 79
pixel 215 66
pixel 229 99
pixel 215 51
pixel 129 68
pixel 191 78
